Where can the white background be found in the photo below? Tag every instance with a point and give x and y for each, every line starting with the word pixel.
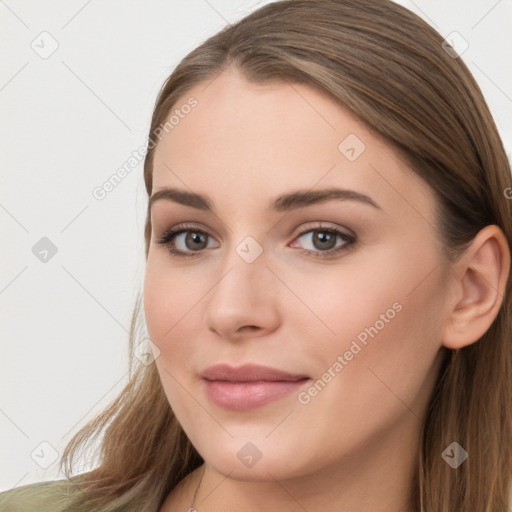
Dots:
pixel 67 123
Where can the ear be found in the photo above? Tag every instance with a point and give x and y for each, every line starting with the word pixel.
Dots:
pixel 479 283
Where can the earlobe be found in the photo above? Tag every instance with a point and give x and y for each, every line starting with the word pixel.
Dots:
pixel 482 274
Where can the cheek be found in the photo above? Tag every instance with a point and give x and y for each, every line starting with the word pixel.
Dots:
pixel 171 301
pixel 334 305
pixel 383 319
pixel 170 318
pixel 382 363
pixel 391 299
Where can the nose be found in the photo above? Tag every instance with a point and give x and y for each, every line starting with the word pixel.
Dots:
pixel 244 300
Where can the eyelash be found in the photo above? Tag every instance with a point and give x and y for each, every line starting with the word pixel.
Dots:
pixel 169 235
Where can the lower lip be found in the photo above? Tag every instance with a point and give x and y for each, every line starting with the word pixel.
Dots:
pixel 242 396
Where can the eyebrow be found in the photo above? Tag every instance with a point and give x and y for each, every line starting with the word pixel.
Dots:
pixel 283 203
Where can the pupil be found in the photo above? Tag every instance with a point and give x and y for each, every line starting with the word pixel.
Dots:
pixel 196 237
pixel 324 238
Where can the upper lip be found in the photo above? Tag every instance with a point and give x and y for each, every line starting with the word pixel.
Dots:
pixel 248 373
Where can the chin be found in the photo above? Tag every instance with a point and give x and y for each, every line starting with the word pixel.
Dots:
pixel 259 460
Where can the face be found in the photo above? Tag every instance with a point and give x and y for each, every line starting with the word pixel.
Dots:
pixel 344 294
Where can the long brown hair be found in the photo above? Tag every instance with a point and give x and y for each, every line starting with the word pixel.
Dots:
pixel 390 69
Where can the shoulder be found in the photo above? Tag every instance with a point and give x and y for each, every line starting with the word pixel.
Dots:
pixel 49 496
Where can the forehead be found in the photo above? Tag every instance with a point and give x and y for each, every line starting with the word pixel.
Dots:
pixel 245 142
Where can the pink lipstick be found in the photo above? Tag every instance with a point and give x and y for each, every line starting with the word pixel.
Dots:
pixel 248 386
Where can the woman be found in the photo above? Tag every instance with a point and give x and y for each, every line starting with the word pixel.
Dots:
pixel 326 291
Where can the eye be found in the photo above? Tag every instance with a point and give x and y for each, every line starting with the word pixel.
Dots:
pixel 185 240
pixel 324 241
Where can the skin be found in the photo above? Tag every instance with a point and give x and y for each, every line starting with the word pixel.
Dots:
pixel 354 445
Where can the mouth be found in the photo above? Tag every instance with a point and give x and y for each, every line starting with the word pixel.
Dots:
pixel 249 386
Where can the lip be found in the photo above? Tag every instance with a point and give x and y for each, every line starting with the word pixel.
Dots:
pixel 249 373
pixel 248 386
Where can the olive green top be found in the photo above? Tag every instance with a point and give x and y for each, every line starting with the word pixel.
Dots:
pixel 40 497
pixel 50 496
